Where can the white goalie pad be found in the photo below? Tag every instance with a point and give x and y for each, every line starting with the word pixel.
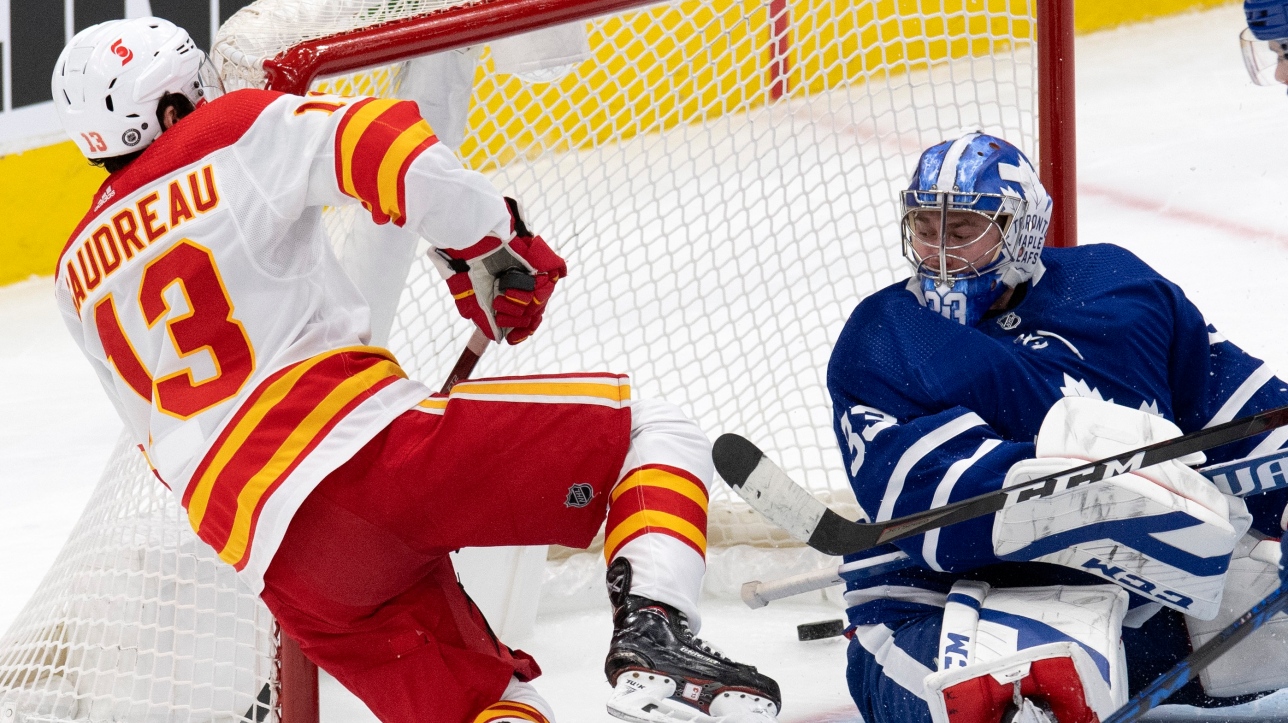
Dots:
pixel 1260 662
pixel 1164 532
pixel 1057 646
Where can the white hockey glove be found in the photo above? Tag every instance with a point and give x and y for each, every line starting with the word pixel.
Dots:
pixel 502 284
pixel 1164 532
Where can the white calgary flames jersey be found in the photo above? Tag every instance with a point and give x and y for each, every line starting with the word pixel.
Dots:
pixel 203 289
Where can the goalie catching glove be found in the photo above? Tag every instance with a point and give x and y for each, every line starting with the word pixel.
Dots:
pixel 1164 532
pixel 486 280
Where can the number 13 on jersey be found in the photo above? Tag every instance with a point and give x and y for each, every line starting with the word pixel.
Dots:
pixel 207 325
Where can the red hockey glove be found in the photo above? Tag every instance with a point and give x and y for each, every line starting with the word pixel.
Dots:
pixel 502 284
pixel 520 308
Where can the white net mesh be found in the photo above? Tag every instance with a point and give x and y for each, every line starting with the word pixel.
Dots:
pixel 720 217
pixel 720 176
pixel 137 620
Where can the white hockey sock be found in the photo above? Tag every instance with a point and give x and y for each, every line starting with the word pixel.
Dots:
pixel 519 702
pixel 657 514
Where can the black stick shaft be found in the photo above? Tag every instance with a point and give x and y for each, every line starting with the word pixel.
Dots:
pixel 1127 462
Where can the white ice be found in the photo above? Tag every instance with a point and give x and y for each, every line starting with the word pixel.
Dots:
pixel 1180 159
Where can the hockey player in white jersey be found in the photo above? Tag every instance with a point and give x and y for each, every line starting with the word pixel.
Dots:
pixel 1265 41
pixel 999 361
pixel 202 289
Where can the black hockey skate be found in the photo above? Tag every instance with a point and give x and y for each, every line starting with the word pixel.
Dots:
pixel 660 672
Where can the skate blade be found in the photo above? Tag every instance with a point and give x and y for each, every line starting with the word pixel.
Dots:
pixel 641 697
pixel 646 698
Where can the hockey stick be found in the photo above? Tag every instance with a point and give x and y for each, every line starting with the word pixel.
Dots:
pixel 772 493
pixel 469 358
pixel 1241 478
pixel 757 594
pixel 474 348
pixel 1183 672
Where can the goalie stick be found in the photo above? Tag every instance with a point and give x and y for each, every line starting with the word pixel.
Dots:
pixel 1183 672
pixel 1241 478
pixel 772 493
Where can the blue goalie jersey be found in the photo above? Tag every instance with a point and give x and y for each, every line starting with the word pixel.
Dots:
pixel 928 411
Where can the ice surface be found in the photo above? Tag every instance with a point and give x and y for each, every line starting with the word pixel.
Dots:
pixel 1181 160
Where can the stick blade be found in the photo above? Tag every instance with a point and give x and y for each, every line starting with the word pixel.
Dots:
pixel 764 486
pixel 735 458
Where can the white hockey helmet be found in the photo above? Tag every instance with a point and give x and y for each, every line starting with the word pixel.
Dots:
pixel 111 77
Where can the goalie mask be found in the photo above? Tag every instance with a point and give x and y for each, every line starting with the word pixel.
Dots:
pixel 973 224
pixel 111 77
pixel 1265 41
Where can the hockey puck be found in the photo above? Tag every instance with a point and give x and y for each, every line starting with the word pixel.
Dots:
pixel 818 631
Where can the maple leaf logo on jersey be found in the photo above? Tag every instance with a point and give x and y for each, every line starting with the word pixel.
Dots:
pixel 125 54
pixel 1080 388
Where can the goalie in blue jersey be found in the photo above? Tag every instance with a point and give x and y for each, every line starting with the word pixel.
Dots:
pixel 998 361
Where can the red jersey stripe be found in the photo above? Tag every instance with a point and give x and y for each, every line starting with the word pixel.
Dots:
pixel 251 500
pixel 372 150
pixel 298 400
pixel 352 123
pixel 261 429
pixel 654 499
pixel 393 169
pixel 652 522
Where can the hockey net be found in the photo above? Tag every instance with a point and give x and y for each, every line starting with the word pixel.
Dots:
pixel 720 175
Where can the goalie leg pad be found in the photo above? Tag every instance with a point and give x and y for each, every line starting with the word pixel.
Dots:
pixel 1260 662
pixel 1056 646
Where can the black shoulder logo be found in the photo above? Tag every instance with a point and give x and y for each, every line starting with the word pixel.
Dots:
pixel 579 495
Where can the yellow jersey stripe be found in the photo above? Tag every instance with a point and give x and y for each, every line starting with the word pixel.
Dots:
pixel 654 519
pixel 510 709
pixel 275 393
pixel 387 176
pixel 262 406
pixel 613 392
pixel 353 131
pixel 650 477
pixel 291 448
